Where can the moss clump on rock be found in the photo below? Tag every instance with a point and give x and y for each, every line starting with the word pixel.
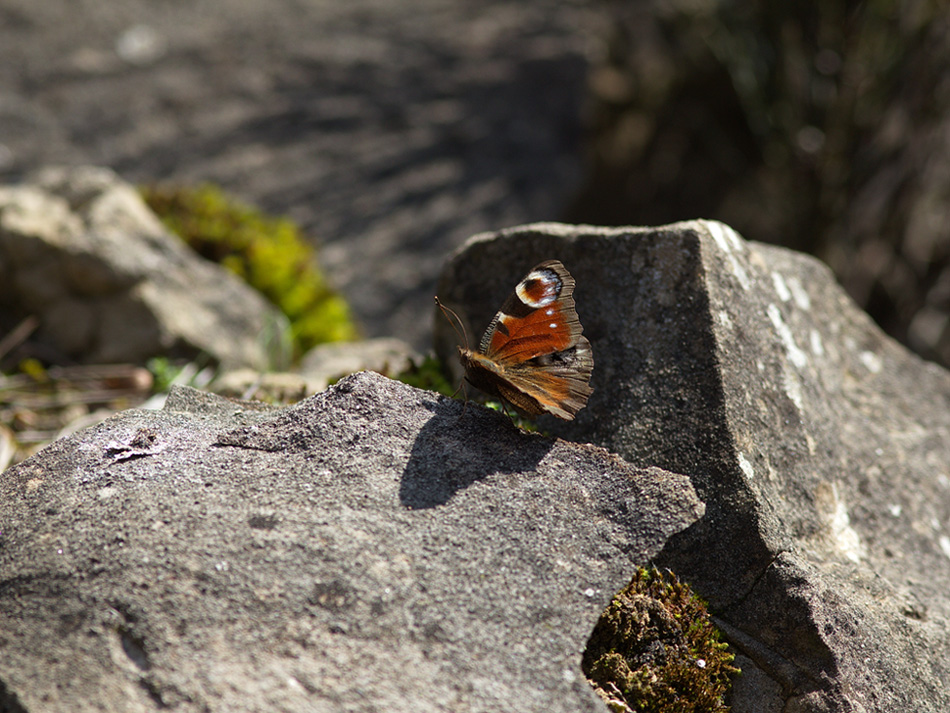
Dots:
pixel 269 253
pixel 655 649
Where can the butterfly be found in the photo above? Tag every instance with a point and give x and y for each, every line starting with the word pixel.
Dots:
pixel 533 355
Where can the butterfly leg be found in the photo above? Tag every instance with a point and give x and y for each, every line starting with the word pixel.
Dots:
pixel 465 400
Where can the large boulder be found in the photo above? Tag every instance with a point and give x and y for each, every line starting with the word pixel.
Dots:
pixel 396 545
pixel 81 251
pixel 820 447
pixel 375 547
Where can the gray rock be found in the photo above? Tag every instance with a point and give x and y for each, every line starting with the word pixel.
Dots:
pixel 391 131
pixel 322 365
pixel 384 355
pixel 820 447
pixel 374 547
pixel 81 251
pixel 271 387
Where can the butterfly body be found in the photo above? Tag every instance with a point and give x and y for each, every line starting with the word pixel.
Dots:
pixel 533 354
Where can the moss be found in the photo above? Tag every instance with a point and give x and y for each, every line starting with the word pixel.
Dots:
pixel 269 253
pixel 655 649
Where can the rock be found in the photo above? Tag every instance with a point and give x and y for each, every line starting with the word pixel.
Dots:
pixel 321 366
pixel 80 250
pixel 373 547
pixel 271 387
pixel 820 447
pixel 391 131
pixel 327 362
pixel 7 447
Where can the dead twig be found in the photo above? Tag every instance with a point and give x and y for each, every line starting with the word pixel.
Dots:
pixel 18 335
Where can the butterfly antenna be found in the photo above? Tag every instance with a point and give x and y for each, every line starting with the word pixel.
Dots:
pixel 449 314
pixel 463 337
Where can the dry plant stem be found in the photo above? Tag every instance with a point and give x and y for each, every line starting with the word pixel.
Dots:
pixel 18 335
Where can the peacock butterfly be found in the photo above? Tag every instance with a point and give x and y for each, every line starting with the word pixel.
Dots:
pixel 533 355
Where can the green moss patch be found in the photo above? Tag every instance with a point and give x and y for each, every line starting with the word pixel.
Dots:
pixel 655 649
pixel 269 253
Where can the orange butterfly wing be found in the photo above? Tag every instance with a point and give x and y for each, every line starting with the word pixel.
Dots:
pixel 532 354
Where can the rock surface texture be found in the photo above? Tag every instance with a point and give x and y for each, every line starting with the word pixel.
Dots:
pixel 820 447
pixel 80 251
pixel 391 131
pixel 374 547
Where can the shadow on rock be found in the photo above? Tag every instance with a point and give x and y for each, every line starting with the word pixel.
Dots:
pixel 461 445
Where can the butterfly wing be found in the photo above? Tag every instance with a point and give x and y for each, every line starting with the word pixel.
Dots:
pixel 558 383
pixel 533 354
pixel 538 318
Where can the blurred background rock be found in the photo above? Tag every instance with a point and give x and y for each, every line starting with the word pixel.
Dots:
pixel 391 131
